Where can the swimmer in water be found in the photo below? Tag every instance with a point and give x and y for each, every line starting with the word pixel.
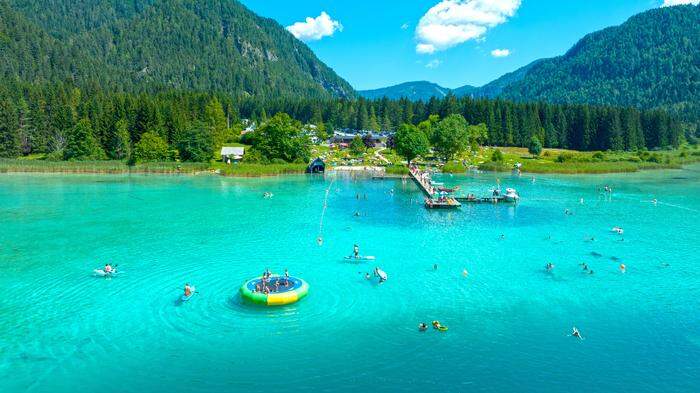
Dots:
pixel 503 236
pixel 465 273
pixel 584 266
pixel 319 240
pixel 623 268
pixel 422 327
pixel 435 266
pixel 576 333
pixel 549 266
pixel 367 276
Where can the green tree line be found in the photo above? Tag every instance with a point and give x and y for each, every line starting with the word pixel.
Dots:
pixel 67 122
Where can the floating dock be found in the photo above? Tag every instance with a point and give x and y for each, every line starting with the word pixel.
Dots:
pixel 492 199
pixel 442 203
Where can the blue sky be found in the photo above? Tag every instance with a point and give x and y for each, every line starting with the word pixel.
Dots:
pixel 384 42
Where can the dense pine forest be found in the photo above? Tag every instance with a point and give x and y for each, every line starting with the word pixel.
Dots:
pixel 67 122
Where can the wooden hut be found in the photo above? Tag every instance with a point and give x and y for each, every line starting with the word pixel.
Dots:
pixel 316 166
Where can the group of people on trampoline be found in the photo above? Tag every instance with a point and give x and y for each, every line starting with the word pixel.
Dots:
pixel 269 284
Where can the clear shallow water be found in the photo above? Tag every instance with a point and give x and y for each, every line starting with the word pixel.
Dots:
pixel 62 330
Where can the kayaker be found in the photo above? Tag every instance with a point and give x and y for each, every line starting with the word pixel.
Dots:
pixel 108 269
pixel 188 290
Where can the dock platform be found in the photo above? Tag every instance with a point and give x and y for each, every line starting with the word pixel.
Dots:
pixel 442 203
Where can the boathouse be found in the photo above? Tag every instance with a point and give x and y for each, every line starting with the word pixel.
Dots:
pixel 316 166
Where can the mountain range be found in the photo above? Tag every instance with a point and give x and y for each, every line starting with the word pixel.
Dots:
pixel 424 90
pixel 650 61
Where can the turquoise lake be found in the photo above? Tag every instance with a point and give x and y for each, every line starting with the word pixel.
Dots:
pixel 64 330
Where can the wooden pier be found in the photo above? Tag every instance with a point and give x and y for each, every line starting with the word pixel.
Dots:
pixel 425 185
pixel 422 183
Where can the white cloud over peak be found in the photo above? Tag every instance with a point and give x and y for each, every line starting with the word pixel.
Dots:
pixel 671 3
pixel 500 52
pixel 452 22
pixel 313 29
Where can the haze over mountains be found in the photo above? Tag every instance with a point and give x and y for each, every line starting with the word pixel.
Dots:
pixel 652 60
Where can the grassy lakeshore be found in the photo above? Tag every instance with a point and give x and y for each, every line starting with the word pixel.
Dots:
pixel 117 167
pixel 574 162
pixel 550 161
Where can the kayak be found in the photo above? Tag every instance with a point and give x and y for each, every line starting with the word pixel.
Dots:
pixel 362 258
pixel 186 298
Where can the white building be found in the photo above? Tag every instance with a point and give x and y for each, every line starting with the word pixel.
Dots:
pixel 231 154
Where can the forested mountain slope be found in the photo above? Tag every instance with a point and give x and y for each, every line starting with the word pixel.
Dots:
pixel 147 45
pixel 650 61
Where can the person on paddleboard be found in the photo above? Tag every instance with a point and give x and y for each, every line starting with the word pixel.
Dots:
pixel 356 251
pixel 575 333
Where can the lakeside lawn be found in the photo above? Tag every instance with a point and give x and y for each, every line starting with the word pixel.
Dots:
pixel 573 162
pixel 550 161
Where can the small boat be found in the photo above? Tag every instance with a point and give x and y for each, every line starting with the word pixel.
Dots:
pixel 445 189
pixel 511 195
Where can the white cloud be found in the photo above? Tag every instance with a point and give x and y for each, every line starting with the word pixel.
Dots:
pixel 452 22
pixel 671 3
pixel 500 52
pixel 314 29
pixel 405 26
pixel 433 63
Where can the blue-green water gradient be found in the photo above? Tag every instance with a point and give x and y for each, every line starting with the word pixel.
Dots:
pixel 63 330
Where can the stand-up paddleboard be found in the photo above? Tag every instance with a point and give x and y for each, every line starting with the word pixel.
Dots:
pixel 186 298
pixel 382 274
pixel 361 257
pixel 102 273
